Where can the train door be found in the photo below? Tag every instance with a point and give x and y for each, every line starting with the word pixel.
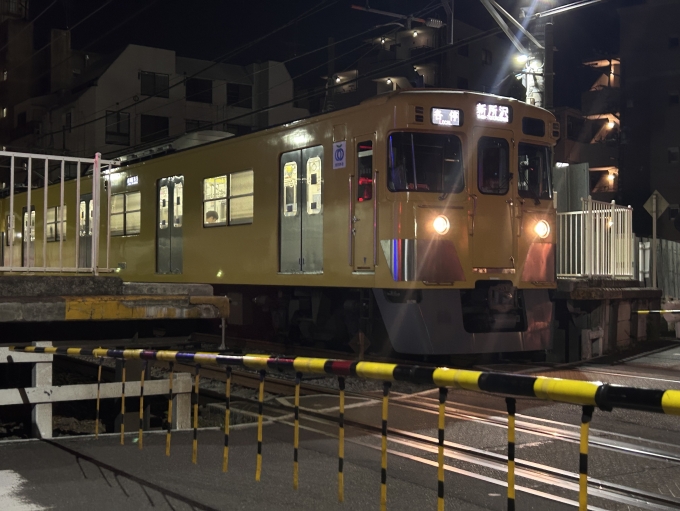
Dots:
pixel 364 206
pixel 169 227
pixel 85 243
pixel 28 238
pixel 493 245
pixel 301 212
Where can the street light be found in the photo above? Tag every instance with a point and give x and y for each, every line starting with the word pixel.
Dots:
pixel 521 58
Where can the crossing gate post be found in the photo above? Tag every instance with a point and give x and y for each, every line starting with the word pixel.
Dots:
pixel 227 418
pixel 341 440
pixel 296 430
pixel 194 444
pixel 443 391
pixel 168 435
pixel 41 414
pixel 260 402
pixel 383 451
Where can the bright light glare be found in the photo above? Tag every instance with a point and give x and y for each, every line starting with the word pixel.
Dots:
pixel 521 58
pixel 415 33
pixel 610 178
pixel 542 229
pixel 561 164
pixel 337 79
pixel 389 81
pixel 610 125
pixel 441 224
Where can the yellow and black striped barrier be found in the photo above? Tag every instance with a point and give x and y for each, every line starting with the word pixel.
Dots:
pixel 586 394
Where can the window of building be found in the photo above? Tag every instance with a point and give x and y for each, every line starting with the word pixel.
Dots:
pixel 493 159
pixel 21 119
pixel 228 199
pixel 673 42
pixel 117 128
pixel 154 127
pixel 673 98
pixel 52 223
pixel 486 56
pixel 463 83
pixel 193 124
pixel 239 95
pixel 199 90
pixel 4 75
pixel 464 50
pixel 673 155
pixel 126 213
pixel 155 84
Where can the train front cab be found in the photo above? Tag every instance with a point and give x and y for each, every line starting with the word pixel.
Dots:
pixel 472 249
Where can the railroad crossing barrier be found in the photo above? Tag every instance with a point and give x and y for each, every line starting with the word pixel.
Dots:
pixel 586 394
pixel 42 393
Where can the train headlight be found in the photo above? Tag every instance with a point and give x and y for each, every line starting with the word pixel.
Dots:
pixel 441 224
pixel 542 229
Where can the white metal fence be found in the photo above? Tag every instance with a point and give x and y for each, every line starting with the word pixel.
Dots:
pixel 596 242
pixel 28 163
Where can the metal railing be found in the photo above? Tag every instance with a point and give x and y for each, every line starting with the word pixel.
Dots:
pixel 585 394
pixel 42 395
pixel 25 162
pixel 596 242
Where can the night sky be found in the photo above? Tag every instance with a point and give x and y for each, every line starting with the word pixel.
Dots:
pixel 211 29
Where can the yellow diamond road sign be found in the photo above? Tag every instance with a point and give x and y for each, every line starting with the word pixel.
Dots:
pixel 661 204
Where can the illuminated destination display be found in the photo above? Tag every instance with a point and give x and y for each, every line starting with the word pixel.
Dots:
pixel 495 113
pixel 445 117
pixel 132 180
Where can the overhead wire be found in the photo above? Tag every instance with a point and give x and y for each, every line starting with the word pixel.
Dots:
pixel 30 23
pixel 20 64
pixel 309 12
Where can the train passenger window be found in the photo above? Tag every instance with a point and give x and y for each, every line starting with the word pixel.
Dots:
pixel 533 180
pixel 232 204
pixel 314 185
pixel 425 162
pixel 493 160
pixel 290 178
pixel 52 223
pixel 365 170
pixel 179 205
pixel 126 214
pixel 163 207
pixel 215 201
pixel 241 185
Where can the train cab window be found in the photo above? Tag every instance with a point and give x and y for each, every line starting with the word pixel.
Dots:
pixel 493 161
pixel 425 162
pixel 52 224
pixel 533 180
pixel 126 214
pixel 228 199
pixel 365 170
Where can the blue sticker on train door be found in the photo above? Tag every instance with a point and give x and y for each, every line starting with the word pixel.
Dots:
pixel 339 155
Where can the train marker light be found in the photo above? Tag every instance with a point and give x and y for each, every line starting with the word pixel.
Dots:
pixel 441 224
pixel 542 229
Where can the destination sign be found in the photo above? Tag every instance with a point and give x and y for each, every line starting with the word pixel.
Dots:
pixel 495 113
pixel 445 117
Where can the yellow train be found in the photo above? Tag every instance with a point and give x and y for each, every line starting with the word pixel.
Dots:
pixel 423 216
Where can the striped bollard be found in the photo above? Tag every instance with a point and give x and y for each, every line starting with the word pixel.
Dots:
pixel 296 430
pixel 341 441
pixel 141 404
pixel 99 382
pixel 227 414
pixel 510 402
pixel 383 450
pixel 260 402
pixel 122 407
pixel 583 458
pixel 440 451
pixel 194 445
pixel 168 435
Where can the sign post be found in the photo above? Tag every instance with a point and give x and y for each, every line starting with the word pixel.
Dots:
pixel 655 206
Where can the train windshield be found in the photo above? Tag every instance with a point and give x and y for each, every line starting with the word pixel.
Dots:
pixel 534 172
pixel 425 162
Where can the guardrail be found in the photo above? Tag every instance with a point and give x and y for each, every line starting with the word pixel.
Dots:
pixel 24 162
pixel 588 395
pixel 43 394
pixel 596 242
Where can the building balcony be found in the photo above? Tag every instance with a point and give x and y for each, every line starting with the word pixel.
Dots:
pixel 601 101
